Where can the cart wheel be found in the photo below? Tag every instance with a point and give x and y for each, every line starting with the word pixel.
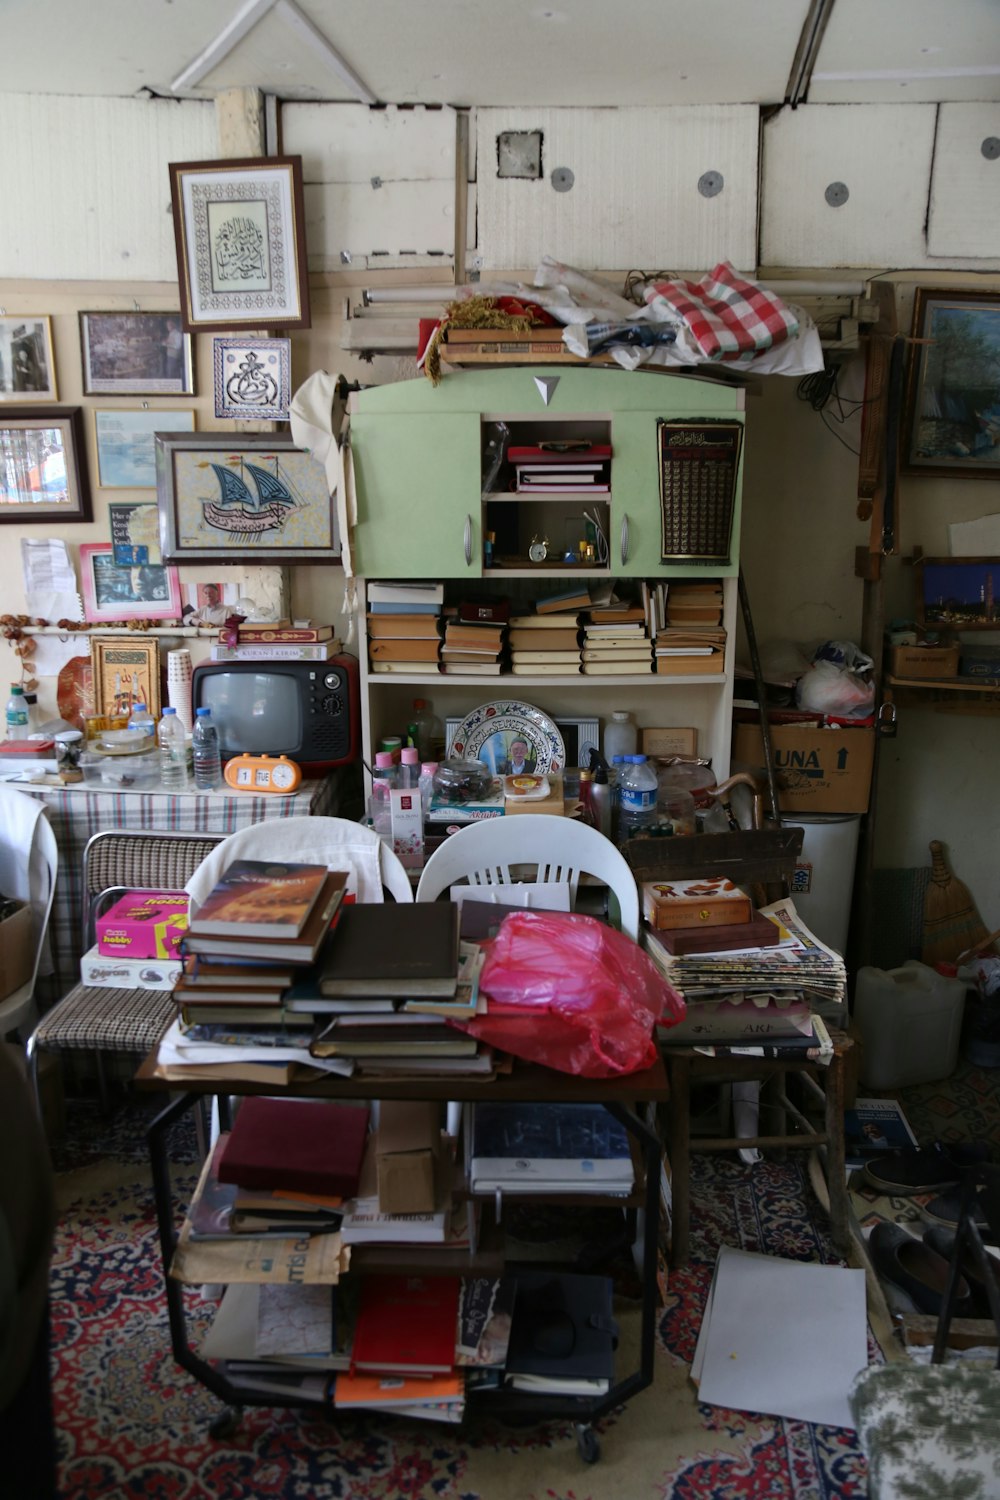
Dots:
pixel 226 1423
pixel 588 1444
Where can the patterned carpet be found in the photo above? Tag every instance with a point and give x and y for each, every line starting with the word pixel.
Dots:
pixel 131 1423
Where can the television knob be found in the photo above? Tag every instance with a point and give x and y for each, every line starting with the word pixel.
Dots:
pixel 332 704
pixel 332 680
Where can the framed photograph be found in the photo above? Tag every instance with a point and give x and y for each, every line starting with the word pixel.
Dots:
pixel 241 497
pixel 252 378
pixel 241 253
pixel 135 354
pixel 126 453
pixel 43 465
pixel 125 671
pixel 145 592
pixel 958 593
pixel 135 533
pixel 27 364
pixel 952 421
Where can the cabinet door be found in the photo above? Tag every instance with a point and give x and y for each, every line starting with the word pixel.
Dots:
pixel 636 532
pixel 417 480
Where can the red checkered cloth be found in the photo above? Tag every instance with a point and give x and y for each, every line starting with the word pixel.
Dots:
pixel 728 318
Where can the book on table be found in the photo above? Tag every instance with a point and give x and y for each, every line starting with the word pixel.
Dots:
pixel 300 949
pixel 406 1325
pixel 224 973
pixel 314 1146
pixel 404 627
pixel 220 1209
pixel 261 898
pixel 537 1148
pixel 563 1334
pixel 261 1327
pixel 392 949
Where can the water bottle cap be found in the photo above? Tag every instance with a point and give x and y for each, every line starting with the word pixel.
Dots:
pixel 619 714
pixel 200 713
pixel 138 708
pixel 16 687
pixel 383 760
pixel 617 760
pixel 169 711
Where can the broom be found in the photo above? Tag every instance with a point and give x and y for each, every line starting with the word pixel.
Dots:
pixel 952 924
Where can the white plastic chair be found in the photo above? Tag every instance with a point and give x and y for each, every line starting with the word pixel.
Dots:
pixel 485 853
pixel 29 874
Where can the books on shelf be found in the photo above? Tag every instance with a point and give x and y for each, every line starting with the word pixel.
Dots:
pixel 278 651
pixel 563 1334
pixel 616 667
pixel 437 1399
pixel 483 611
pixel 405 592
pixel 568 601
pixel 300 949
pixel 559 453
pixel 404 627
pixel 545 639
pixel 556 621
pixel 262 898
pixel 408 649
pixel 264 1327
pixel 393 949
pixel 540 1148
pixel 255 635
pixel 312 1146
pixel 563 658
pixel 475 637
pixel 406 1325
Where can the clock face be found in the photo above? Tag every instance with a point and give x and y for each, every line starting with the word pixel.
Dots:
pixel 537 552
pixel 283 777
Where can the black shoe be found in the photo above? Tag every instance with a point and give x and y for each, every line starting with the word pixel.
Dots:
pixel 942 1242
pixel 913 1170
pixel 946 1208
pixel 911 1265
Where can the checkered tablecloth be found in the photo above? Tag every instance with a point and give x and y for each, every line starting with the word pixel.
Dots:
pixel 78 812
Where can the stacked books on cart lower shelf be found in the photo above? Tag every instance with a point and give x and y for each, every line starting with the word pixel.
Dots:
pixel 330 1299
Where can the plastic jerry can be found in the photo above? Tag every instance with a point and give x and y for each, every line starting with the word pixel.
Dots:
pixel 910 1021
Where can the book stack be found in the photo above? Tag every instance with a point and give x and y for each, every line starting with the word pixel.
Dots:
pixel 545 644
pixel 548 468
pixel 548 1148
pixel 403 1358
pixel 281 641
pixel 262 925
pixel 404 626
pixel 614 647
pixel 474 646
pixel 690 637
pixel 288 1340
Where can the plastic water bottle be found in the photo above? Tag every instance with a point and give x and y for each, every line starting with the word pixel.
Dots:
pixel 206 756
pixel 426 785
pixel 173 752
pixel 17 713
pixel 384 777
pixel 409 766
pixel 637 788
pixel 140 720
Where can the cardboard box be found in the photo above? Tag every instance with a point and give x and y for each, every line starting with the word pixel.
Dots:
pixel 17 950
pixel 666 742
pixel 924 661
pixel 143 924
pixel 407 1155
pixel 817 770
pixel 407 826
pixel 668 904
pixel 120 973
pixel 979 661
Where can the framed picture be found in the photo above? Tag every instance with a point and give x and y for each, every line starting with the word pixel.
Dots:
pixel 126 453
pixel 27 364
pixel 241 253
pixel 580 736
pixel 43 465
pixel 135 533
pixel 952 422
pixel 252 378
pixel 242 497
pixel 125 671
pixel 110 593
pixel 135 354
pixel 958 593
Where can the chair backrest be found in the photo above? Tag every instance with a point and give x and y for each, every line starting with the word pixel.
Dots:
pixel 124 859
pixel 30 867
pixel 489 853
pixel 337 842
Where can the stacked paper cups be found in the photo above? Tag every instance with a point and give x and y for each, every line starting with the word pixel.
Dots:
pixel 179 672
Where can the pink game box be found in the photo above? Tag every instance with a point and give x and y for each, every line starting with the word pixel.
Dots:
pixel 143 924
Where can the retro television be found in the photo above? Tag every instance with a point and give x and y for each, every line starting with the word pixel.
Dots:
pixel 307 710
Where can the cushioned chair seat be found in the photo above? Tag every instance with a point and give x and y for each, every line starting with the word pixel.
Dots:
pixel 95 1018
pixel 929 1431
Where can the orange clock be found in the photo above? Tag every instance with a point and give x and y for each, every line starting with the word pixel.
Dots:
pixel 263 773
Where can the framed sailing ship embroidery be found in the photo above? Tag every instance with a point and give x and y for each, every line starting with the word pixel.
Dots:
pixel 245 497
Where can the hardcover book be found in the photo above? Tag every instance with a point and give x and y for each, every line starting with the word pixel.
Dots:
pixel 544 1147
pixel 406 1325
pixel 252 634
pixel 312 1146
pixel 261 898
pixel 403 627
pixel 301 949
pixel 404 649
pixel 278 651
pixel 393 949
pixel 563 1331
pixel 544 640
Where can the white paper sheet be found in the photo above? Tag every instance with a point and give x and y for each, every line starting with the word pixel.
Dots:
pixel 50 586
pixel 784 1337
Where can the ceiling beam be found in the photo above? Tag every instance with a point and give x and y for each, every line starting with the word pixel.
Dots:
pixel 806 52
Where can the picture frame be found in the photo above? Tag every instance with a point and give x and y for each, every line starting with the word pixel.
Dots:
pixel 951 411
pixel 125 670
pixel 135 532
pixel 27 359
pixel 43 465
pixel 252 378
pixel 239 227
pixel 957 593
pixel 147 591
pixel 136 354
pixel 228 497
pixel 123 440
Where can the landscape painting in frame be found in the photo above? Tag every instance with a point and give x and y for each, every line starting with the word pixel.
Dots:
pixel 242 498
pixel 43 464
pixel 953 392
pixel 27 365
pixel 960 592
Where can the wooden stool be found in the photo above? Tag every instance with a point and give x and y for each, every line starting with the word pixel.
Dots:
pixel 684 1065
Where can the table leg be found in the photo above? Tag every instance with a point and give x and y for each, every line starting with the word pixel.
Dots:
pixel 680 1158
pixel 836 1174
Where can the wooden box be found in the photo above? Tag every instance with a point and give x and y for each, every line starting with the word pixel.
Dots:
pixel 712 902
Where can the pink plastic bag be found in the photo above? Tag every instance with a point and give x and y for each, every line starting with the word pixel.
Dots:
pixel 571 993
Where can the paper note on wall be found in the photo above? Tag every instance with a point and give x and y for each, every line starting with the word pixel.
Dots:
pixel 50 586
pixel 135 534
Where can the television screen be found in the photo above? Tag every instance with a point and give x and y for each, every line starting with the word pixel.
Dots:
pixel 259 713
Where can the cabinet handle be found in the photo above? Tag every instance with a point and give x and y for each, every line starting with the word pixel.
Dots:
pixel 467 540
pixel 624 540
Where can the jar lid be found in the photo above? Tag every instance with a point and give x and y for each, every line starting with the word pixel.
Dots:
pixel 68 736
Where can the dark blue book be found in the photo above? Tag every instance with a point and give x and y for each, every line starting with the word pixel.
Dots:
pixel 541 1147
pixel 563 1333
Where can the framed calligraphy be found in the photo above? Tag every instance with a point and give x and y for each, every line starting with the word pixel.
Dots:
pixel 252 378
pixel 241 254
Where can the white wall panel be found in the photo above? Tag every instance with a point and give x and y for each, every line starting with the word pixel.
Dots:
pixel 85 186
pixel 965 185
pixel 881 153
pixel 635 198
pixel 377 181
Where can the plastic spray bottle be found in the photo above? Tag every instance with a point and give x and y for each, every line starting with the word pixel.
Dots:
pixel 600 793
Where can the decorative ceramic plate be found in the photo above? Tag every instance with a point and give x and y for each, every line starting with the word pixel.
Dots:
pixel 492 731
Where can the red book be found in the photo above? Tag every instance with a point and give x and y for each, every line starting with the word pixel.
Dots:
pixel 406 1325
pixel 296 1145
